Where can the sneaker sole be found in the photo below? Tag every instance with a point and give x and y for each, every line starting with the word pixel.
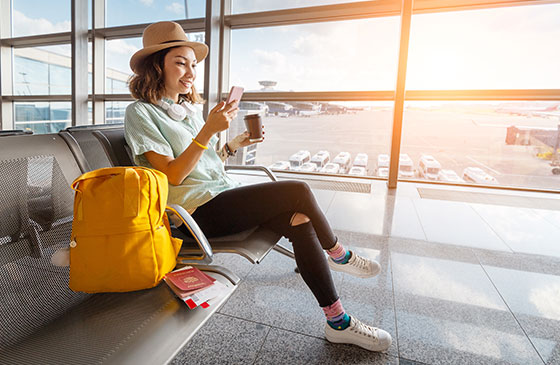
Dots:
pixel 335 339
pixel 337 267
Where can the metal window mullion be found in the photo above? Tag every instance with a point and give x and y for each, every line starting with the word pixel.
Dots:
pixel 136 30
pixel 364 9
pixel 211 65
pixel 98 61
pixel 224 61
pixel 406 16
pixel 6 67
pixel 79 45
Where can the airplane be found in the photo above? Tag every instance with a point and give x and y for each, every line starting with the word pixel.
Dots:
pixel 530 110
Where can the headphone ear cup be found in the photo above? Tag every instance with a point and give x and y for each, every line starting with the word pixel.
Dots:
pixel 177 112
pixel 189 108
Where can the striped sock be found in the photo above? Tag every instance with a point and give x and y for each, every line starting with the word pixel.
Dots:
pixel 336 316
pixel 339 254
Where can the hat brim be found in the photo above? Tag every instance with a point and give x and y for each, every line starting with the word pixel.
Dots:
pixel 200 51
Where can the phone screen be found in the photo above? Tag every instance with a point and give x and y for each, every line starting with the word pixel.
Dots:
pixel 235 94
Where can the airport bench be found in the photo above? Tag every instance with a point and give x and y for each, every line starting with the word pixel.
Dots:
pixel 253 244
pixel 43 321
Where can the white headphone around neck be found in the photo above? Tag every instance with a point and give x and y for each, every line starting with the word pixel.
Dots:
pixel 178 112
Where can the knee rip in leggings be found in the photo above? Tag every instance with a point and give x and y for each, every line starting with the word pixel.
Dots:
pixel 298 219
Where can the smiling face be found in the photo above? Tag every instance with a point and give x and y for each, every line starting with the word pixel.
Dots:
pixel 179 72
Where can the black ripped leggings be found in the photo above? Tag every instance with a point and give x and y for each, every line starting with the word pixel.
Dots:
pixel 272 205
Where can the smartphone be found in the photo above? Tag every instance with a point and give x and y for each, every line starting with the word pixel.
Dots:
pixel 235 94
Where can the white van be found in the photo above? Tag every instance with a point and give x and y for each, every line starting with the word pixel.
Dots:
pixel 428 167
pixel 280 165
pixel 308 167
pixel 449 176
pixel 361 160
pixel 357 171
pixel 298 159
pixel 321 158
pixel 406 167
pixel 478 176
pixel 382 160
pixel 343 159
pixel 331 168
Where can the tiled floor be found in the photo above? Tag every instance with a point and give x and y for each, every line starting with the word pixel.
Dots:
pixel 462 283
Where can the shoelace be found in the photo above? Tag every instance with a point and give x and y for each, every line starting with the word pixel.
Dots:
pixel 365 330
pixel 361 263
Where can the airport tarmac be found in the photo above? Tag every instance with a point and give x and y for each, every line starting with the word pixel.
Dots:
pixel 455 138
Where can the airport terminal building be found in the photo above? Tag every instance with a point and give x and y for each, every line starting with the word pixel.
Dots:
pixel 427 131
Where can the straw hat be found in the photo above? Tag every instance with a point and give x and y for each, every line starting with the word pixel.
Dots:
pixel 162 35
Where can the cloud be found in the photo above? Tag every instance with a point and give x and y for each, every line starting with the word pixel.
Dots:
pixel 147 2
pixel 547 300
pixel 175 8
pixel 24 25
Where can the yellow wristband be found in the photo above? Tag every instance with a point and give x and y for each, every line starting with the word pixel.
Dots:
pixel 200 144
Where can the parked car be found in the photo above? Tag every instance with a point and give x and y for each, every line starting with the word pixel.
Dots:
pixel 357 171
pixel 321 158
pixel 308 167
pixel 406 167
pixel 298 159
pixel 331 168
pixel 428 167
pixel 361 160
pixel 279 109
pixel 343 159
pixel 478 176
pixel 280 165
pixel 449 176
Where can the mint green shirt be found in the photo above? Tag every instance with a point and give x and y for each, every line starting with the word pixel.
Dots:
pixel 147 127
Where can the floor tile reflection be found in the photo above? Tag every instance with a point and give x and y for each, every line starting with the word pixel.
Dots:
pixel 522 229
pixel 449 312
pixel 534 299
pixel 456 223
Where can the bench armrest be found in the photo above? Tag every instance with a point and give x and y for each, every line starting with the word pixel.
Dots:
pixel 199 237
pixel 253 168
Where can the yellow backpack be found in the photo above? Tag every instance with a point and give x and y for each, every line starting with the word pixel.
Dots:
pixel 121 240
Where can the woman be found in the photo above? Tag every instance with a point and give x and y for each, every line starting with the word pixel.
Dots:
pixel 165 131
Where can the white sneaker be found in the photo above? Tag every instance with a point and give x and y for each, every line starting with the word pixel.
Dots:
pixel 357 266
pixel 367 337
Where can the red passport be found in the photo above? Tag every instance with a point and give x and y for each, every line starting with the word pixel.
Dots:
pixel 189 279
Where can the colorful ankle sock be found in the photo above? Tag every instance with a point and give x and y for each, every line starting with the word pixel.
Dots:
pixel 339 254
pixel 336 316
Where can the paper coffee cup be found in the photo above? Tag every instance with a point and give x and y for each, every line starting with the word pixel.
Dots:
pixel 253 123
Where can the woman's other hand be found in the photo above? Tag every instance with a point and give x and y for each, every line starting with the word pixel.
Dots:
pixel 242 140
pixel 220 117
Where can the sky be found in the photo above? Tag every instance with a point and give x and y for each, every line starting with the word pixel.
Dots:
pixel 503 48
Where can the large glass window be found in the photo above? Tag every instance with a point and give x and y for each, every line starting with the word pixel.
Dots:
pixel 503 48
pixel 42 117
pixel 115 110
pixel 42 70
pixel 148 11
pixel 118 53
pixel 248 6
pixel 328 137
pixel 32 17
pixel 333 56
pixel 486 143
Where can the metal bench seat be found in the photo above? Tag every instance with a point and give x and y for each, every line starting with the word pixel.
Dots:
pixel 43 321
pixel 253 244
